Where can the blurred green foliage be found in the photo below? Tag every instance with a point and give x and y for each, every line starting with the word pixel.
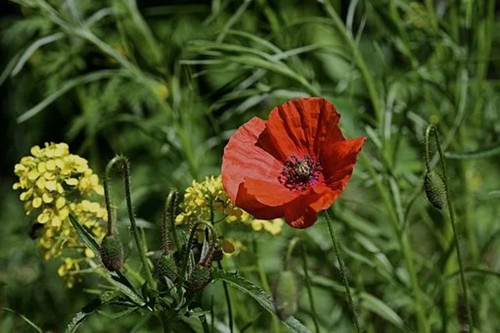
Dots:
pixel 166 85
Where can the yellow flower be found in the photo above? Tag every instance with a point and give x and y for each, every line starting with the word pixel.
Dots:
pixel 53 184
pixel 209 197
pixel 231 246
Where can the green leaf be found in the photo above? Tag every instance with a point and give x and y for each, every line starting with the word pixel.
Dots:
pixel 375 305
pixel 87 238
pixel 76 321
pixel 257 294
pixel 84 79
pixel 480 153
pixel 29 322
pixel 124 285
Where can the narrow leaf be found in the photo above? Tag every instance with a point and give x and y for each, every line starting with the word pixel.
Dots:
pixel 87 238
pixel 29 322
pixel 377 306
pixel 480 153
pixel 257 294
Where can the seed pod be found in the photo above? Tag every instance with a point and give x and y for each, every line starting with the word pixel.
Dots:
pixel 112 252
pixel 435 189
pixel 285 294
pixel 198 279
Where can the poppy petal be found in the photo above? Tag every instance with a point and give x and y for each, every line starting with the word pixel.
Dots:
pixel 249 203
pixel 323 198
pixel 300 127
pixel 338 162
pixel 270 193
pixel 299 215
pixel 242 159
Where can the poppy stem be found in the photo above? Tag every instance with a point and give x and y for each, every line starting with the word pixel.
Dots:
pixel 263 280
pixel 309 289
pixel 135 231
pixel 432 128
pixel 224 284
pixel 168 225
pixel 343 272
pixel 291 246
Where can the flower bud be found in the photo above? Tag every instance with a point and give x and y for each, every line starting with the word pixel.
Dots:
pixel 198 279
pixel 285 294
pixel 165 267
pixel 112 252
pixel 435 189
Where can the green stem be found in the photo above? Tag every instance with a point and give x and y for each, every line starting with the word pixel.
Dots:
pixel 404 245
pixel 432 128
pixel 358 59
pixel 135 232
pixel 309 290
pixel 168 225
pixel 190 241
pixel 107 198
pixel 291 246
pixel 343 273
pixel 224 284
pixel 263 280
pixel 228 301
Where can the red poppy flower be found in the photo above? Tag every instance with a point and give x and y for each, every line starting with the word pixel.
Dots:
pixel 293 165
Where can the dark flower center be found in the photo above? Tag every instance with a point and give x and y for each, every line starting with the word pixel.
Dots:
pixel 298 174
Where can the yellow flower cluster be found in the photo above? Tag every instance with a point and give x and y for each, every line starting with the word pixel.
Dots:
pixel 55 183
pixel 274 227
pixel 202 198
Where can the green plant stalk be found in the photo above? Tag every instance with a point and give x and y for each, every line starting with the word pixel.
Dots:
pixel 309 289
pixel 343 273
pixel 404 245
pixel 135 232
pixel 432 128
pixel 224 284
pixel 168 227
pixel 291 246
pixel 264 281
pixel 358 59
pixel 449 293
pixel 107 197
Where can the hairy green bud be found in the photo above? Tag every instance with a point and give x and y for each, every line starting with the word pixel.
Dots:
pixel 435 189
pixel 285 294
pixel 112 252
pixel 198 279
pixel 165 267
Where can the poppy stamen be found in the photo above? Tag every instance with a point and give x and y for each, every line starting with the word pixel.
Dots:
pixel 298 174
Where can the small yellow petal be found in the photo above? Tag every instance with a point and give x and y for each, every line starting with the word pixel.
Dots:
pixel 47 198
pixel 25 195
pixel 51 185
pixel 37 202
pixel 51 165
pixel 41 167
pixel 60 202
pixel 33 175
pixel 71 181
pixel 89 253
pixel 56 221
pixel 35 151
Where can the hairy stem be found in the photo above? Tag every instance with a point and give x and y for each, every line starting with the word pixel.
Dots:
pixel 343 273
pixel 432 128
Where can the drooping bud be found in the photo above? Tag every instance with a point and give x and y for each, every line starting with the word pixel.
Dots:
pixel 112 252
pixel 198 279
pixel 435 189
pixel 285 294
